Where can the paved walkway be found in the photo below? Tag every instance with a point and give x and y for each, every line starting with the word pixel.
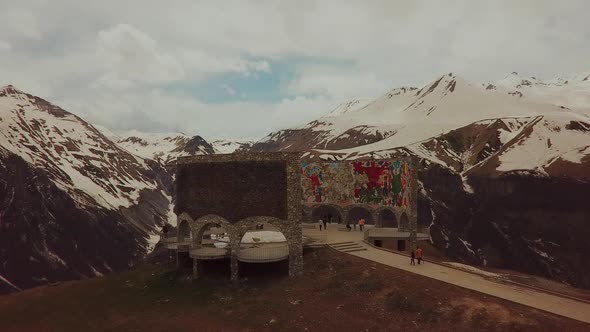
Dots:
pixel 539 300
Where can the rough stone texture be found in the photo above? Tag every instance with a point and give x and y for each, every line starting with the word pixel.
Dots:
pixel 282 210
pixel 258 188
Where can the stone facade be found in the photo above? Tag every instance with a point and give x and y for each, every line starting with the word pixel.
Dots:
pixel 237 192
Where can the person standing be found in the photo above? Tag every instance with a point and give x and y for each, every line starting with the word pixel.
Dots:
pixel 361 224
pixel 419 254
pixel 320 224
pixel 413 255
pixel 325 221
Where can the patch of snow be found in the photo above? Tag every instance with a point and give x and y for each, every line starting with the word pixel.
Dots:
pixel 467 246
pixel 545 143
pixel 466 186
pixel 9 283
pixel 152 240
pixel 54 257
pixel 542 254
pixel 474 269
pixel 96 272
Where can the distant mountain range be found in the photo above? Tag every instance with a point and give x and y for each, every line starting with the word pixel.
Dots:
pixel 505 165
pixel 504 180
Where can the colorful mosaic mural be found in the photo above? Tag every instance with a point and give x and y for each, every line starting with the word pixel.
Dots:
pixel 371 182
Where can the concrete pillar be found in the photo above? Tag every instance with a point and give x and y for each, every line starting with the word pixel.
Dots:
pixel 195 268
pixel 413 240
pixel 295 260
pixel 376 220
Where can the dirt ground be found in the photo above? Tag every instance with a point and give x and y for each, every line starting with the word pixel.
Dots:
pixel 337 292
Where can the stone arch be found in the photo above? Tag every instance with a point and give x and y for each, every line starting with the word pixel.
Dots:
pixel 387 218
pixel 315 209
pixel 290 230
pixel 357 211
pixel 183 226
pixel 404 222
pixel 199 226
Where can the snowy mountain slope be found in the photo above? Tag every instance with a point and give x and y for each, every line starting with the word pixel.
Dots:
pixel 81 160
pixel 73 204
pixel 569 91
pixel 416 119
pixel 225 146
pixel 164 147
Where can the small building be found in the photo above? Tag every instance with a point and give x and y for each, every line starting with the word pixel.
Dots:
pixel 219 198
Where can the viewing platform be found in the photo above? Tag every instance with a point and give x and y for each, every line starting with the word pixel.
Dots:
pixel 264 253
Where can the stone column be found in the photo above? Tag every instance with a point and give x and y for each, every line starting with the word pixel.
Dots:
pixel 376 220
pixel 195 268
pixel 413 241
pixel 234 267
pixel 235 233
pixel 294 238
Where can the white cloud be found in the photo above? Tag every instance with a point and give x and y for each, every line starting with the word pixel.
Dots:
pixel 106 64
pixel 165 112
pixel 5 46
pixel 337 82
pixel 21 22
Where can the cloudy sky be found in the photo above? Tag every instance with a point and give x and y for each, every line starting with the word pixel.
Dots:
pixel 244 68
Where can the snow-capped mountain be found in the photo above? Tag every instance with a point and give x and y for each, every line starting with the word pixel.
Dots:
pixel 164 147
pixel 420 120
pixel 225 146
pixel 569 91
pixel 167 147
pixel 72 203
pixel 505 166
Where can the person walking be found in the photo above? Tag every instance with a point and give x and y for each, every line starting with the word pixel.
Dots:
pixel 413 255
pixel 419 254
pixel 348 226
pixel 354 225
pixel 325 221
pixel 361 224
pixel 320 224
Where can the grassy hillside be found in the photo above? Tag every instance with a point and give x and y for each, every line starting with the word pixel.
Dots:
pixel 336 292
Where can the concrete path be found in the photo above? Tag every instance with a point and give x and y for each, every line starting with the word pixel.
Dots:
pixel 554 304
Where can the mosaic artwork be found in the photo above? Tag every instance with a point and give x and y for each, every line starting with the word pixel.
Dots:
pixel 372 182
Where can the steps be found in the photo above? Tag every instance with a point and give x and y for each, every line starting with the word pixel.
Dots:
pixel 348 246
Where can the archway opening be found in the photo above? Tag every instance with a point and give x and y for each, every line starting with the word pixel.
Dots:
pixel 326 212
pixel 184 231
pixel 358 212
pixel 211 249
pixel 263 252
pixel 388 219
pixel 404 222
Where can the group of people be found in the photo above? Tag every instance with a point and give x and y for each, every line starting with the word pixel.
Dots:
pixel 416 255
pixel 361 222
pixel 323 223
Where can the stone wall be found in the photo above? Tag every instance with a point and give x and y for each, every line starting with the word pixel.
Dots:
pixel 237 192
